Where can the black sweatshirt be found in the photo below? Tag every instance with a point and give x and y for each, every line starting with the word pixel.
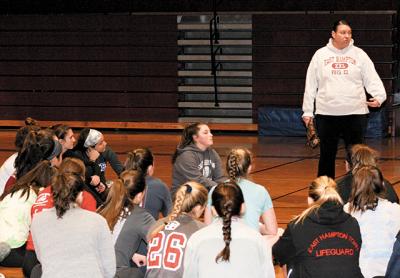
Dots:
pixel 327 244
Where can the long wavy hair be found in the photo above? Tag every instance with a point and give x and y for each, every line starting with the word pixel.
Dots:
pixel 367 188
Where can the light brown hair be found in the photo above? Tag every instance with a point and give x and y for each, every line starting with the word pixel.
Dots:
pixel 238 163
pixel 367 187
pixel 187 197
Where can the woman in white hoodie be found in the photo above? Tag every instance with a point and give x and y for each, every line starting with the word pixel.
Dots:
pixel 336 78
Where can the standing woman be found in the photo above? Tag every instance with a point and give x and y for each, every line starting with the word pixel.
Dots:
pixel 336 78
pixel 228 247
pixel 379 220
pixel 157 196
pixel 257 200
pixel 195 160
pixel 71 241
pixel 183 221
pixel 323 241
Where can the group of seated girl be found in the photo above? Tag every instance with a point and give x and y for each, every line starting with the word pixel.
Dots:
pixel 63 218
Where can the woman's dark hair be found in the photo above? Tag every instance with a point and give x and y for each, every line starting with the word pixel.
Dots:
pixel 60 130
pixel 227 199
pixel 30 125
pixel 238 163
pixel 187 137
pixel 80 145
pixel 367 187
pixel 66 187
pixel 37 147
pixel 139 159
pixel 134 181
pixel 39 176
pixel 339 22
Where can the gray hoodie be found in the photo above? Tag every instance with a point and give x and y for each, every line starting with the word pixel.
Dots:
pixel 193 164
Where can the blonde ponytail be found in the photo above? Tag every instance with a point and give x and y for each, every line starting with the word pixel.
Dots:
pixel 188 196
pixel 321 190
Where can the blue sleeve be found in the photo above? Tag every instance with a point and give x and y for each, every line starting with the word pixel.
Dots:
pixel 267 202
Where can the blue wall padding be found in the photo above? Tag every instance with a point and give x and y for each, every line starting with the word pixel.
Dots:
pixel 286 121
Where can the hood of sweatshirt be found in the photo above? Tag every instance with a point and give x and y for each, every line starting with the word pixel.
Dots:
pixel 329 213
pixel 339 51
pixel 191 147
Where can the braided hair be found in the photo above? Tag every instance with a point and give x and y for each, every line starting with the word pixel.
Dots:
pixel 188 196
pixel 227 199
pixel 238 163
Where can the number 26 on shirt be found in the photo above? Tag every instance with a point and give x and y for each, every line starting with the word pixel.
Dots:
pixel 171 257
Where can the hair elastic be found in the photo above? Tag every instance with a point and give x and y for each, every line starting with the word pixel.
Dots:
pixel 188 188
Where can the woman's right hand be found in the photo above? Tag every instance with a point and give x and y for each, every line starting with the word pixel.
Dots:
pixel 92 154
pixel 95 180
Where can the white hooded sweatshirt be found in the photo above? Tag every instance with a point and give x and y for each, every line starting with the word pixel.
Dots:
pixel 336 79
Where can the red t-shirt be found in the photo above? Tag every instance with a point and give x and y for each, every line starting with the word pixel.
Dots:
pixel 9 184
pixel 45 201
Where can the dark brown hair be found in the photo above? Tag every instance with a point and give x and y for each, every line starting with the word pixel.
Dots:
pixel 134 181
pixel 60 130
pixel 139 159
pixel 187 137
pixel 39 176
pixel 367 187
pixel 227 199
pixel 339 22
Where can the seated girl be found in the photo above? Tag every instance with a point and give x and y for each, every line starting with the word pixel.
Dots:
pixel 175 229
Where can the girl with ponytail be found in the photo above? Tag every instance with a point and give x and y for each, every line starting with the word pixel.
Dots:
pixel 378 217
pixel 180 224
pixel 256 197
pixel 157 197
pixel 195 159
pixel 133 224
pixel 323 239
pixel 62 232
pixel 228 247
pixel 45 201
pixel 15 209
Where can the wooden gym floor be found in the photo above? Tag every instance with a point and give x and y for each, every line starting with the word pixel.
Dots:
pixel 284 166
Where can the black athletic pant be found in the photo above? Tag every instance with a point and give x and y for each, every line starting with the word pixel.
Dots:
pixel 330 128
pixel 15 258
pixel 30 261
